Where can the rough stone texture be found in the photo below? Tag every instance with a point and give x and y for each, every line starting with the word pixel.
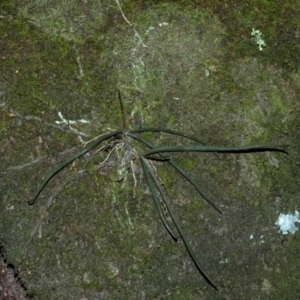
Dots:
pixel 10 286
pixel 91 237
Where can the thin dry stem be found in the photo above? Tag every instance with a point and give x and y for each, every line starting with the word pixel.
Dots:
pixel 127 21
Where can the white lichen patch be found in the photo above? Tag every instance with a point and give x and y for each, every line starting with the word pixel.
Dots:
pixel 287 222
pixel 72 122
pixel 258 39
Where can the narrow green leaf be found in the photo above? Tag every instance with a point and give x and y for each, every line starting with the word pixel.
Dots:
pixel 65 163
pixel 241 149
pixel 124 127
pixel 176 223
pixel 180 170
pixel 155 129
pixel 156 200
pixel 192 182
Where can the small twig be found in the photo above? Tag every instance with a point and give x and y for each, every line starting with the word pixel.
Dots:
pixel 34 161
pixel 110 152
pixel 85 143
pixel 29 117
pixel 127 21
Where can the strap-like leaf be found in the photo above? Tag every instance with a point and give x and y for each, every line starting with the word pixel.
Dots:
pixel 241 149
pixel 153 192
pixel 62 165
pixel 180 170
pixel 174 132
pixel 155 129
pixel 176 223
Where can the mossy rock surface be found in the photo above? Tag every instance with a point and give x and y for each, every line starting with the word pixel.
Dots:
pixel 90 236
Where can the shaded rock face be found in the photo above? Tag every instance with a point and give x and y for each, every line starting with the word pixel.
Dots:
pixel 90 234
pixel 10 285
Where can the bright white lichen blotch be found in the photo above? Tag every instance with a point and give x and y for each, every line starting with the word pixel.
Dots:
pixel 64 121
pixel 258 40
pixel 287 222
